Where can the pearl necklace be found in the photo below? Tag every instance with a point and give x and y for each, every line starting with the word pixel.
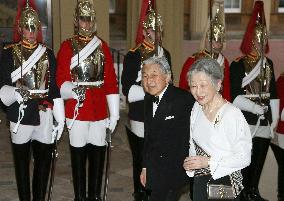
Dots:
pixel 212 109
pixel 210 113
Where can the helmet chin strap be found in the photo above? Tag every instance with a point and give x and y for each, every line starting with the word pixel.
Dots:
pixel 27 41
pixel 87 32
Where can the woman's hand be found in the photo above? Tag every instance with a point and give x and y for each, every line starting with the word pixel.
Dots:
pixel 195 162
pixel 143 177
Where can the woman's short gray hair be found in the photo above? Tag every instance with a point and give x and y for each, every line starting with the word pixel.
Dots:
pixel 161 61
pixel 208 66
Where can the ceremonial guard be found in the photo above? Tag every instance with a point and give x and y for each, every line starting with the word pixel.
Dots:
pixel 132 89
pixel 28 89
pixel 211 46
pixel 88 83
pixel 253 90
pixel 277 144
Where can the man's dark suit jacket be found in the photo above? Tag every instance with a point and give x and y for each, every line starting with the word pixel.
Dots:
pixel 167 139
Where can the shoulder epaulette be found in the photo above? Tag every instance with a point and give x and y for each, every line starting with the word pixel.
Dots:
pixel 47 47
pixel 44 45
pixel 194 54
pixel 201 54
pixel 238 58
pixel 74 37
pixel 10 45
pixel 135 48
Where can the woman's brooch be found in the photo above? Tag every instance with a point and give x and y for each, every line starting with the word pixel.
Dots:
pixel 217 120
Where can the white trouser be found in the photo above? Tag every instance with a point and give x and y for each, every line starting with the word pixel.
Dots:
pixel 137 127
pixel 41 133
pixel 262 131
pixel 84 132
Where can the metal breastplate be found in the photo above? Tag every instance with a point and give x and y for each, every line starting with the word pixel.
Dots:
pixel 146 53
pixel 36 80
pixel 261 84
pixel 215 56
pixel 91 69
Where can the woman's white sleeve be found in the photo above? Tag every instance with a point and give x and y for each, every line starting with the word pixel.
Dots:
pixel 239 136
pixel 191 144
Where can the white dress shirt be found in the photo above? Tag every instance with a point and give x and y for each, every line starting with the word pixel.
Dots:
pixel 155 105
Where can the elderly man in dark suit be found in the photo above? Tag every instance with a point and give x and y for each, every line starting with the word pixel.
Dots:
pixel 167 113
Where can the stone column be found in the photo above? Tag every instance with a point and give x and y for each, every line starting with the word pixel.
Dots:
pixel 133 15
pixel 56 22
pixel 102 13
pixel 267 11
pixel 67 10
pixel 172 15
pixel 198 18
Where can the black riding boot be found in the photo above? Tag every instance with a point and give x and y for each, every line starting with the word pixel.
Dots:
pixel 42 154
pixel 78 163
pixel 21 154
pixel 96 156
pixel 279 155
pixel 253 172
pixel 136 146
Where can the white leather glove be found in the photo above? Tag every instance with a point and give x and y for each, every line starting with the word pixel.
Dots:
pixel 66 90
pixel 7 95
pixel 260 110
pixel 247 105
pixel 18 97
pixel 113 106
pixel 111 124
pixel 59 116
pixel 282 115
pixel 136 93
pixel 139 76
pixel 274 105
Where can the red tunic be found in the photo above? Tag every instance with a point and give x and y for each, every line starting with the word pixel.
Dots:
pixel 188 63
pixel 95 105
pixel 280 91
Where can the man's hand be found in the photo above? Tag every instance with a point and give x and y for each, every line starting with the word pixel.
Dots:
pixel 113 107
pixel 111 123
pixel 57 130
pixel 260 110
pixel 143 177
pixel 59 116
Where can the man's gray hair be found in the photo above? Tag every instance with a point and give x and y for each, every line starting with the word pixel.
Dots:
pixel 161 61
pixel 208 66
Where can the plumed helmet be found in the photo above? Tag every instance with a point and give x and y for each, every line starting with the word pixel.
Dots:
pixel 218 25
pixel 150 20
pixel 256 30
pixel 85 11
pixel 29 19
pixel 260 31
